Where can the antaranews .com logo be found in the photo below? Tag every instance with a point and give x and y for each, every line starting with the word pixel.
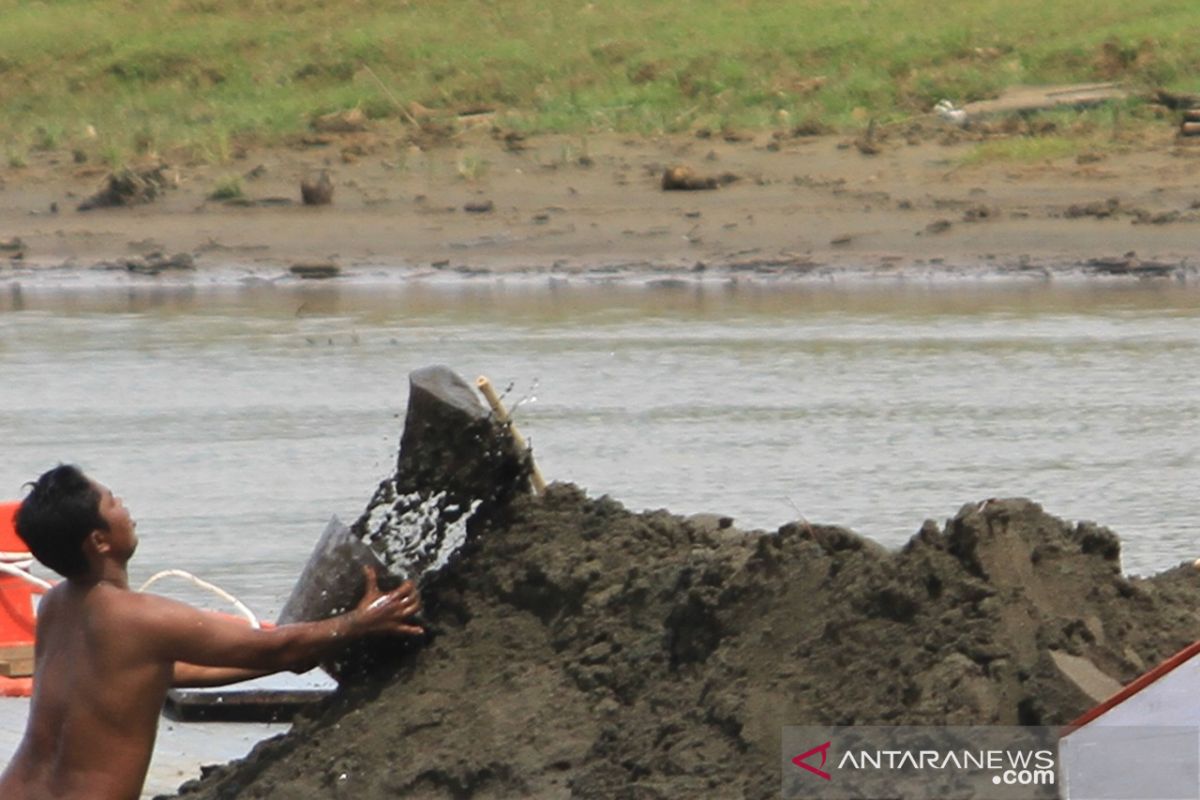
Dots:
pixel 1008 767
pixel 990 763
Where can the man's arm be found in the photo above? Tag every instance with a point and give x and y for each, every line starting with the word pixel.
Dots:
pixel 194 676
pixel 176 632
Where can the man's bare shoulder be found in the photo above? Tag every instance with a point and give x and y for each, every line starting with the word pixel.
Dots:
pixel 129 612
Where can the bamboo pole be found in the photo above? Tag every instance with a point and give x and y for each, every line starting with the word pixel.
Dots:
pixel 489 394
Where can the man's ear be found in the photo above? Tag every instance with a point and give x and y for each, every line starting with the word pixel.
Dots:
pixel 97 542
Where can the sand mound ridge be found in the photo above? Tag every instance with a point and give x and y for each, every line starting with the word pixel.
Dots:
pixel 585 651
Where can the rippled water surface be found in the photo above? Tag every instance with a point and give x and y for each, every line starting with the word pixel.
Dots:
pixel 235 420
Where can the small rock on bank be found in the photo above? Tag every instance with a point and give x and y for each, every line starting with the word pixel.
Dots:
pixel 317 189
pixel 130 186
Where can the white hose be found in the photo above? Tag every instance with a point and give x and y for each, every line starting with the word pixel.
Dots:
pixel 17 564
pixel 217 590
pixel 16 571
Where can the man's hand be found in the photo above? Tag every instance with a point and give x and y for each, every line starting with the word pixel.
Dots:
pixel 389 613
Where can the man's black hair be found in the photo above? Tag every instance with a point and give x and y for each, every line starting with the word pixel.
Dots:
pixel 62 508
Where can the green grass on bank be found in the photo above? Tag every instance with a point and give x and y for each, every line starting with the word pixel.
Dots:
pixel 111 78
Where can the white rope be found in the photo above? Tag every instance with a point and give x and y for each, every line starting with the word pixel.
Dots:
pixel 16 571
pixel 18 558
pixel 217 590
pixel 17 564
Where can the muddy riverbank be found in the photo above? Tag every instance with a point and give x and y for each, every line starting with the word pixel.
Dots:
pixel 786 205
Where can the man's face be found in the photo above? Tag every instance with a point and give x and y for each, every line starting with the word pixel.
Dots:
pixel 120 525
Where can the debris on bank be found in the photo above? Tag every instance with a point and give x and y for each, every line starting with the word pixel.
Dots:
pixel 315 270
pixel 682 178
pixel 1190 126
pixel 317 189
pixel 12 249
pixel 349 121
pixel 130 186
pixel 154 263
pixel 1028 99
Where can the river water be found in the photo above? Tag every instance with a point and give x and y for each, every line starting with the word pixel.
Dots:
pixel 235 419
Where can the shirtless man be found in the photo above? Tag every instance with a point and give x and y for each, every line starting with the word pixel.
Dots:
pixel 105 656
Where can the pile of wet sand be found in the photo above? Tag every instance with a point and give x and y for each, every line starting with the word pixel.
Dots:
pixel 589 652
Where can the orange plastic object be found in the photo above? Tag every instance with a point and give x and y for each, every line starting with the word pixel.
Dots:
pixel 9 541
pixel 17 614
pixel 17 610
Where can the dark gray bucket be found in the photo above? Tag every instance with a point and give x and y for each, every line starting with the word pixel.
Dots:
pixel 332 582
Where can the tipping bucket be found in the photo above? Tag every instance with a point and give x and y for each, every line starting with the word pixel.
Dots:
pixel 332 583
